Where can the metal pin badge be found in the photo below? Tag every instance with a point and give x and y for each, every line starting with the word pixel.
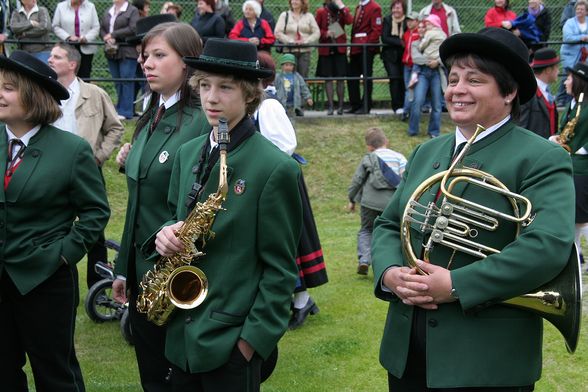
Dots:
pixel 163 156
pixel 239 187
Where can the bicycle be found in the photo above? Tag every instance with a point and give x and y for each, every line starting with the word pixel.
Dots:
pixel 100 305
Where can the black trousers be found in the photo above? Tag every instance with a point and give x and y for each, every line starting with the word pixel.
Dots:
pixel 40 324
pixel 237 375
pixel 85 70
pixel 356 69
pixel 97 253
pixel 149 342
pixel 414 378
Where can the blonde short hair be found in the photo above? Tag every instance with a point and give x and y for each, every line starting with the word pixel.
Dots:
pixel 252 91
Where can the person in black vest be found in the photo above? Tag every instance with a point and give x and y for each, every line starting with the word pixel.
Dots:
pixel 540 113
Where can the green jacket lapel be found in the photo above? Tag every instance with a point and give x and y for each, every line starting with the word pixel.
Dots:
pixel 134 159
pixel 161 134
pixel 3 157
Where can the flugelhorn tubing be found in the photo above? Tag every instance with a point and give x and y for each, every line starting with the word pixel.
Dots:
pixel 558 301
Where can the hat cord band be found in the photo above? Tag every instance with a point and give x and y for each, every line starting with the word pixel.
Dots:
pixel 217 60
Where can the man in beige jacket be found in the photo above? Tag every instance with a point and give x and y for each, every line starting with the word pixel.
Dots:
pixel 88 113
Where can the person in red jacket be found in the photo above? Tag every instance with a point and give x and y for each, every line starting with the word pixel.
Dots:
pixel 410 36
pixel 498 14
pixel 252 28
pixel 367 28
pixel 332 61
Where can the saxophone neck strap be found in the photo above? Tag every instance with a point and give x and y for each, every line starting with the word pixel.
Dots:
pixel 241 132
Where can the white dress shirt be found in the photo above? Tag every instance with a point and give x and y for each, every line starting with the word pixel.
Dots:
pixel 67 121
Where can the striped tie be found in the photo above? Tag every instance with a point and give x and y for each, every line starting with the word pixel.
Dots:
pixel 158 117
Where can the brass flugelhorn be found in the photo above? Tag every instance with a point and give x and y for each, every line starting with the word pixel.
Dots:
pixel 174 282
pixel 567 133
pixel 455 224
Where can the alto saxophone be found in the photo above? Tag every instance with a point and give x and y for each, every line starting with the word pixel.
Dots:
pixel 567 133
pixel 173 282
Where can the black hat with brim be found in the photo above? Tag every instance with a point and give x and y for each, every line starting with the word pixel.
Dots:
pixel 580 70
pixel 35 69
pixel 499 45
pixel 147 23
pixel 545 57
pixel 229 57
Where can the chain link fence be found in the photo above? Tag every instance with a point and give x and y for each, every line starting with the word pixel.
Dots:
pixel 470 12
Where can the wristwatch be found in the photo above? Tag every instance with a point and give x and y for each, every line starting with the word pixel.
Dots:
pixel 453 294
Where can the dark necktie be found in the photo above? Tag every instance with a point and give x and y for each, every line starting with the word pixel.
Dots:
pixel 77 22
pixel 158 116
pixel 16 150
pixel 457 151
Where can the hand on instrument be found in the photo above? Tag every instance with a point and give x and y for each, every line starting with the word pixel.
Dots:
pixel 166 241
pixel 402 283
pixel 121 157
pixel 438 282
pixel 119 290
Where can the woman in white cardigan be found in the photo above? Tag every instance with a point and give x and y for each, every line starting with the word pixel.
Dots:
pixel 78 34
pixel 297 26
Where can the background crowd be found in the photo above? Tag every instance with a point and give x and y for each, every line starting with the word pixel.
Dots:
pixel 399 37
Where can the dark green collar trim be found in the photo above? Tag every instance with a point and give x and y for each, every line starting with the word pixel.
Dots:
pixel 216 60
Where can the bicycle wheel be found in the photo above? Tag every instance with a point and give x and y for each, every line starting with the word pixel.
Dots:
pixel 125 327
pixel 99 304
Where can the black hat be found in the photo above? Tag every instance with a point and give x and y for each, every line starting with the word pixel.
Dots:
pixel 147 23
pixel 581 70
pixel 500 45
pixel 225 56
pixel 544 58
pixel 27 64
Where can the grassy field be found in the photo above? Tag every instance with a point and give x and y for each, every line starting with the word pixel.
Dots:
pixel 337 349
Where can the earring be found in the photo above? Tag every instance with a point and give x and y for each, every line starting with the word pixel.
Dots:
pixel 506 102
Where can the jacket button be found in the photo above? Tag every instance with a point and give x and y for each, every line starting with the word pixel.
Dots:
pixel 188 320
pixel 436 165
pixel 433 323
pixel 167 130
pixel 35 153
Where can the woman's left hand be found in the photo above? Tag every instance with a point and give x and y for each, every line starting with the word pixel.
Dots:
pixel 438 282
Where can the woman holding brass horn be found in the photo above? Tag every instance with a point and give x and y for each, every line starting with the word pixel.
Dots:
pixel 172 118
pixel 250 262
pixel 446 329
pixel 574 137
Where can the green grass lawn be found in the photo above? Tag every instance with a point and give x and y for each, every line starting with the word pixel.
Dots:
pixel 337 349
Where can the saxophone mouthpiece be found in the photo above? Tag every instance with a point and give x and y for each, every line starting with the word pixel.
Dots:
pixel 223 134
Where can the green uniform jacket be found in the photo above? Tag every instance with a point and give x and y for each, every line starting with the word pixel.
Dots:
pixel 475 342
pixel 53 209
pixel 579 140
pixel 148 168
pixel 251 261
